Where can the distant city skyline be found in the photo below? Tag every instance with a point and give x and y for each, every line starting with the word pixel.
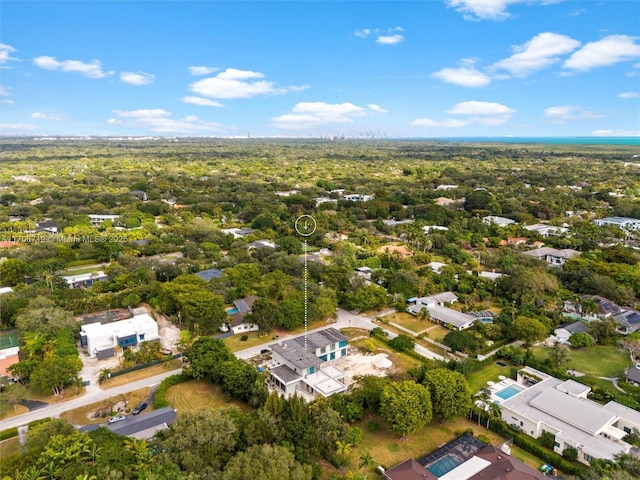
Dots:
pixel 440 68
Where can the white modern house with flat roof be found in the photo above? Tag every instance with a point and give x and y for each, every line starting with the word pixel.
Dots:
pixel 100 339
pixel 499 221
pixel 85 279
pixel 307 364
pixel 545 230
pixel 97 219
pixel 542 403
pixel 626 223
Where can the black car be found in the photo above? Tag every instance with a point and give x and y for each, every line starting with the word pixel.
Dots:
pixel 140 407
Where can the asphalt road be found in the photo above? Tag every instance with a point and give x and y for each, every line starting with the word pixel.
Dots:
pixel 344 319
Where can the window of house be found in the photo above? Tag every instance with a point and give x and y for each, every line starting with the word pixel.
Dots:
pixel 332 347
pixel 323 350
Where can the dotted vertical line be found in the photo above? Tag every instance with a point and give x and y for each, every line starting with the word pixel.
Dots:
pixel 306 302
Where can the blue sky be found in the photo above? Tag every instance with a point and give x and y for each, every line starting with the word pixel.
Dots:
pixel 292 68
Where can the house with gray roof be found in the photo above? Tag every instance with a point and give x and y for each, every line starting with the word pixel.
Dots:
pixel 564 332
pixel 143 426
pixel 553 256
pixel 237 324
pixel 633 375
pixel 628 321
pixel 307 363
pixel 625 223
pixel 439 313
pixel 543 403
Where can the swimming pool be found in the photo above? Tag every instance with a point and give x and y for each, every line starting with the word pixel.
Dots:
pixel 231 311
pixel 509 392
pixel 443 466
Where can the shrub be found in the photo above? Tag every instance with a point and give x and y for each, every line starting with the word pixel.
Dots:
pixel 159 399
pixel 371 426
pixel 570 454
pixel 402 343
pixel 244 338
pixel 484 439
pixel 9 433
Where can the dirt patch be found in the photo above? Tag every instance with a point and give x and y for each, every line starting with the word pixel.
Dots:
pixel 400 249
pixel 356 364
pixel 169 333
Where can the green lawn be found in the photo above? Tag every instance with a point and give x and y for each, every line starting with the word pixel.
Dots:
pixel 438 333
pixel 597 361
pixel 235 344
pixel 195 395
pixel 407 320
pixel 7 410
pixel 491 372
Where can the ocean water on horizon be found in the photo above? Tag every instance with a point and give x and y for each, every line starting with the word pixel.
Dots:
pixel 541 140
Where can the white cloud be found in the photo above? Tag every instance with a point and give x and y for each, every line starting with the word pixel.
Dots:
pixel 298 88
pixel 313 114
pixel 486 113
pixel 448 123
pixel 580 11
pixel 390 39
pixel 234 83
pixel 564 113
pixel 90 70
pixel 540 52
pixel 389 36
pixel 5 53
pixel 138 79
pixel 489 9
pixel 604 52
pixel 628 95
pixel 160 121
pixel 4 91
pixel 376 108
pixel 616 133
pixel 203 102
pixel 46 116
pixel 202 70
pixel 18 126
pixel 7 102
pixel 463 76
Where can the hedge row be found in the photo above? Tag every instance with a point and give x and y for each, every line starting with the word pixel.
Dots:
pixel 9 433
pixel 159 398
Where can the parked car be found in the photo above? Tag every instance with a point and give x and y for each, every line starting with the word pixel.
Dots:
pixel 117 418
pixel 140 407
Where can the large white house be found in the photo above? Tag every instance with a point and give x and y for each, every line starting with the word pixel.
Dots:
pixel 540 403
pixel 101 339
pixel 438 313
pixel 97 218
pixel 545 230
pixel 305 363
pixel 625 223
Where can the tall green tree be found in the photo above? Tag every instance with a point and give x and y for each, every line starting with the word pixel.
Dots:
pixel 450 393
pixel 528 329
pixel 266 462
pixel 406 406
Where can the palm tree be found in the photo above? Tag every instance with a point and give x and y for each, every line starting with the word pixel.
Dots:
pixel 343 449
pixel 483 401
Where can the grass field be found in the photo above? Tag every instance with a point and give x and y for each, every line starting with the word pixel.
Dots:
pixel 234 343
pixel 491 372
pixel 388 450
pixel 597 361
pixel 9 447
pixel 68 393
pixel 407 320
pixel 143 373
pixel 195 395
pixel 80 416
pixel 438 333
pixel 7 411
